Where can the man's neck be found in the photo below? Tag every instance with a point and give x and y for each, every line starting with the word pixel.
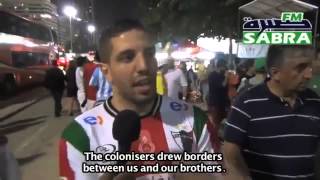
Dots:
pixel 121 104
pixel 274 87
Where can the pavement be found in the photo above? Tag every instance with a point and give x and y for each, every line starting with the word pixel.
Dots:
pixel 33 132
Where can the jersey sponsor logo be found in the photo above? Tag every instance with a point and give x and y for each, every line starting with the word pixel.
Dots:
pixel 178 106
pixel 107 148
pixel 146 144
pixel 93 120
pixel 186 140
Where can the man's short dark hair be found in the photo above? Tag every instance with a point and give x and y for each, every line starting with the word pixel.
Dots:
pixel 221 63
pixel 276 54
pixel 116 29
pixel 247 64
pixel 81 60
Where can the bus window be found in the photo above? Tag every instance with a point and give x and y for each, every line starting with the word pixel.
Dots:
pixel 12 25
pixel 41 59
pixel 24 29
pixel 44 34
pixel 19 60
pixel 4 25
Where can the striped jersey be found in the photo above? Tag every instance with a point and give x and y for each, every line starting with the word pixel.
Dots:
pixel 99 81
pixel 171 126
pixel 278 142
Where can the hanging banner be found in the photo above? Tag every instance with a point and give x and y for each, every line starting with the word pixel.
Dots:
pixel 252 50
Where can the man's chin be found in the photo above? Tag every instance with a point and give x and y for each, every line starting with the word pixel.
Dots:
pixel 144 98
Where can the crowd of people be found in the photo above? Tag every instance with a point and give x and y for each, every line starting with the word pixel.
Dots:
pixel 272 125
pixel 86 86
pixel 268 110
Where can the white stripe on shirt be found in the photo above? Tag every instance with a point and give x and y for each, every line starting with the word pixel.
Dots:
pixel 282 136
pixel 283 175
pixel 227 123
pixel 254 100
pixel 282 116
pixel 313 99
pixel 242 112
pixel 280 156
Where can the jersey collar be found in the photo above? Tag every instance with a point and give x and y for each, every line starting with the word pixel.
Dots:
pixel 113 111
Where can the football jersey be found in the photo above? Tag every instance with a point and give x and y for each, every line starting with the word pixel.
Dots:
pixel 172 126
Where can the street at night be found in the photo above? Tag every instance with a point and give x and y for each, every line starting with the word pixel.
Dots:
pixel 159 90
pixel 33 132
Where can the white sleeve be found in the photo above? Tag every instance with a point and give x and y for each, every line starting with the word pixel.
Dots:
pixel 183 80
pixel 73 170
pixel 79 79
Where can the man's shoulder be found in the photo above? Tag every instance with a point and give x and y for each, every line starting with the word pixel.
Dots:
pixel 309 93
pixel 85 122
pixel 255 92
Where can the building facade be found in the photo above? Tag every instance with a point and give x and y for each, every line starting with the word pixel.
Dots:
pixel 40 11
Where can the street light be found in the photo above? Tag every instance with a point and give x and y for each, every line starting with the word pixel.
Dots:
pixel 91 28
pixel 71 12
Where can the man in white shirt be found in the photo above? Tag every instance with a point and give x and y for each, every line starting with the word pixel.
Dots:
pixel 81 95
pixel 176 81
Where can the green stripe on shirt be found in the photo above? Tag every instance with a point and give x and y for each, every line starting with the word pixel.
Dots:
pixel 76 135
pixel 200 119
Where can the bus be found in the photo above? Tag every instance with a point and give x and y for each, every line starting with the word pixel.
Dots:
pixel 26 51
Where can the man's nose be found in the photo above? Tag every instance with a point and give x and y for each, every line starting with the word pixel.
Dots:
pixel 141 63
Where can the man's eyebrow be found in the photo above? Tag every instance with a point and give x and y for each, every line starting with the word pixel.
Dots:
pixel 124 52
pixel 303 64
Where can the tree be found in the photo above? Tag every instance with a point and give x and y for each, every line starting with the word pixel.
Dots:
pixel 189 18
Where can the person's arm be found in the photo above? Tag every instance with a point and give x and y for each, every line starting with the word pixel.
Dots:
pixel 235 135
pixel 184 85
pixel 317 161
pixel 79 80
pixel 234 162
pixel 73 143
pixel 9 166
pixel 94 81
pixel 165 85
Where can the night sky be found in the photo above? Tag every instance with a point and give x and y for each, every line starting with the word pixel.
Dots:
pixel 106 11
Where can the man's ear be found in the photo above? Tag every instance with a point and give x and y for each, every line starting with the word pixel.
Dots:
pixel 106 71
pixel 275 73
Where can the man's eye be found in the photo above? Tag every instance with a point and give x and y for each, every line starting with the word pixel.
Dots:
pixel 301 67
pixel 127 57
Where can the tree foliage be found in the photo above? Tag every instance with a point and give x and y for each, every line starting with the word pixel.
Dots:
pixel 181 19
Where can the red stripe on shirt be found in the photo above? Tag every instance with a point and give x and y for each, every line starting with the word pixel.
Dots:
pixel 65 170
pixel 152 139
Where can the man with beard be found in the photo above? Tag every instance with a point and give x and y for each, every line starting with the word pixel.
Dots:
pixel 273 129
pixel 128 61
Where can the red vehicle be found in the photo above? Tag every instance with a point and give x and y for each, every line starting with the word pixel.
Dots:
pixel 26 51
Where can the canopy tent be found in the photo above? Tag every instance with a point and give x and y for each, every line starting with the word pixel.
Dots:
pixel 273 8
